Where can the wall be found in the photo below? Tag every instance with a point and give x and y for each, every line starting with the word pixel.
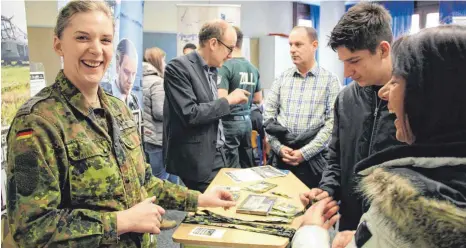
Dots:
pixel 258 18
pixel 41 50
pixel 165 41
pixel 160 16
pixel 41 13
pixel 328 58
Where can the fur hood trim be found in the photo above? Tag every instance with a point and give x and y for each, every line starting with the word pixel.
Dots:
pixel 415 218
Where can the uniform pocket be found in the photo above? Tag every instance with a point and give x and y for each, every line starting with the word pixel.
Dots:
pixel 131 139
pixel 134 153
pixel 93 175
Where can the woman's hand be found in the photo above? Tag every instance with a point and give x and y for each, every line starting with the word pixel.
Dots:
pixel 144 217
pixel 322 213
pixel 343 239
pixel 216 198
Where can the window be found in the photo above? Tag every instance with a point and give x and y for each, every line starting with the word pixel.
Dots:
pixel 415 26
pixel 301 14
pixel 426 15
pixel 432 20
pixel 305 23
pixel 459 20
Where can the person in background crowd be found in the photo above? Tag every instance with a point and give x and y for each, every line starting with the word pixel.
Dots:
pixel 189 47
pixel 154 96
pixel 194 139
pixel 239 73
pixel 416 191
pixel 299 110
pixel 76 173
pixel 363 125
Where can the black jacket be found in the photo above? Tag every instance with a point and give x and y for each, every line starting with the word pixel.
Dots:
pixel 309 172
pixel 191 117
pixel 286 138
pixel 362 126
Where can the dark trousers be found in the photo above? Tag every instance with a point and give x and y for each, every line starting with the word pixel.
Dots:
pixel 309 172
pixel 238 141
pixel 220 162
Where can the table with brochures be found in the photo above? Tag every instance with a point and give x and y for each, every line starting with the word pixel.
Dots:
pixel 197 235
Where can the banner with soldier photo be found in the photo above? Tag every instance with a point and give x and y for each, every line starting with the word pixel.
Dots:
pixel 124 77
pixel 15 71
pixel 127 80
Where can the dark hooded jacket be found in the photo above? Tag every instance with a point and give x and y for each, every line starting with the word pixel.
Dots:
pixel 362 126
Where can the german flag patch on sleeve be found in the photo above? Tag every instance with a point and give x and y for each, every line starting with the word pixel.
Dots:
pixel 24 134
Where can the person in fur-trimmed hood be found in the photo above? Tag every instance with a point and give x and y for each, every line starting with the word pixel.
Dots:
pixel 416 192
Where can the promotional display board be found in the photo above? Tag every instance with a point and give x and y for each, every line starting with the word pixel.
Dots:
pixel 15 73
pixel 192 17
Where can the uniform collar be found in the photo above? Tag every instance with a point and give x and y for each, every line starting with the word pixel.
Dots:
pixel 77 99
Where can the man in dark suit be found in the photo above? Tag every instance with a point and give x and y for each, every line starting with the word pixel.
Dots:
pixel 193 133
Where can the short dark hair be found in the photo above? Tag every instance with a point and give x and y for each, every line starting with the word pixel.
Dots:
pixel 363 27
pixel 311 32
pixel 432 63
pixel 126 47
pixel 239 37
pixel 213 29
pixel 190 46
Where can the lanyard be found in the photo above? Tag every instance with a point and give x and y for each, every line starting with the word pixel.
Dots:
pixel 272 227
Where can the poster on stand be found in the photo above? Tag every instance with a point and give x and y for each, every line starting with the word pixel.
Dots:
pixel 15 72
pixel 191 17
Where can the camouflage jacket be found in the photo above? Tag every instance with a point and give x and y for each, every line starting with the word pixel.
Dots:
pixel 68 174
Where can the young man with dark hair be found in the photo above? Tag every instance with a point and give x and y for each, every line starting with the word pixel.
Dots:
pixel 239 73
pixel 362 123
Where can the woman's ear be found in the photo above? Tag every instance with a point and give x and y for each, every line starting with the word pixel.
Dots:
pixel 410 138
pixel 57 46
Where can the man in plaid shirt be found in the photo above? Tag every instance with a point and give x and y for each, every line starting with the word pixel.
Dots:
pixel 301 102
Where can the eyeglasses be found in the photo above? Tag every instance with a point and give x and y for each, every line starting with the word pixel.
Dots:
pixel 229 48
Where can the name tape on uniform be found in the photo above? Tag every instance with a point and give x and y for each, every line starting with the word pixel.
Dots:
pixel 207 232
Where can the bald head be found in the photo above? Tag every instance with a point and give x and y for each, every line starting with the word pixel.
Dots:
pixel 311 32
pixel 213 29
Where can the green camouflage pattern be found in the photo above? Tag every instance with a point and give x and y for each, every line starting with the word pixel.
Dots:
pixel 67 175
pixel 272 226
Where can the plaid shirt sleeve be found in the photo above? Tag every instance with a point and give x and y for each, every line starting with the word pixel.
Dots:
pixel 323 136
pixel 272 104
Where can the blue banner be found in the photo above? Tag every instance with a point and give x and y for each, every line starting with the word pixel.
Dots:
pixel 129 54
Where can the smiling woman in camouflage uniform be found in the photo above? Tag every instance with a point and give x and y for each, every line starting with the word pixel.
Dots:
pixel 76 171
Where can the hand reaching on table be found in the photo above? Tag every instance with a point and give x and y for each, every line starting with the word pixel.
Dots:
pixel 322 213
pixel 216 198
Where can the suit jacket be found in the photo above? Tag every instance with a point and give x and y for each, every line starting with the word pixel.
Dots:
pixel 191 117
